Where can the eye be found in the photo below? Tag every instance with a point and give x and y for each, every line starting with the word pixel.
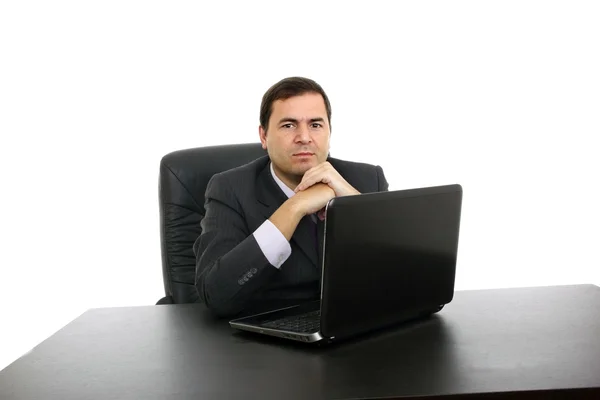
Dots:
pixel 287 126
pixel 316 125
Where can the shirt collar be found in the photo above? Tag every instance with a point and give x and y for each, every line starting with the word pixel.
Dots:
pixel 288 192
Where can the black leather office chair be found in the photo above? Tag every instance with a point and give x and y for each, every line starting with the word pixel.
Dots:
pixel 184 175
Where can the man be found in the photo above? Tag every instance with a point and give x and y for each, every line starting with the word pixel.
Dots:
pixel 259 248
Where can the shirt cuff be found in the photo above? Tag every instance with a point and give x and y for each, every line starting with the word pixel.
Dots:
pixel 272 243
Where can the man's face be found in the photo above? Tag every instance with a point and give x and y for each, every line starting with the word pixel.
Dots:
pixel 297 137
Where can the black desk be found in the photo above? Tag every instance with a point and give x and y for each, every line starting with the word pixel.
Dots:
pixel 511 343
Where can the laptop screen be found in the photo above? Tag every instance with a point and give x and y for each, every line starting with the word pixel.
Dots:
pixel 388 256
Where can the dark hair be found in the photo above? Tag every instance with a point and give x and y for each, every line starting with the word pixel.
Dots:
pixel 286 88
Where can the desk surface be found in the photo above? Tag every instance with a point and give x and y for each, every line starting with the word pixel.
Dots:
pixel 517 342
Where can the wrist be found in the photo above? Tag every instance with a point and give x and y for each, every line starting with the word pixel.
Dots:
pixel 295 208
pixel 347 191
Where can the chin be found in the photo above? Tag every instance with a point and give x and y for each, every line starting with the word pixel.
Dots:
pixel 301 169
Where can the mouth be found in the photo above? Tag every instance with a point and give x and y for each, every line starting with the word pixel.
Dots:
pixel 303 154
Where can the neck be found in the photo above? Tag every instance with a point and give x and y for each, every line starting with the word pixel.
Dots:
pixel 289 180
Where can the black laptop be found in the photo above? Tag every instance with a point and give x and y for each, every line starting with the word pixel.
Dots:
pixel 388 257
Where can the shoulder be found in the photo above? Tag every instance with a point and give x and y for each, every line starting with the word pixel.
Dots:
pixel 351 166
pixel 243 174
pixel 236 182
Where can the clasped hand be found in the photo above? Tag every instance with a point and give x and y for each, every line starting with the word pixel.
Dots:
pixel 316 178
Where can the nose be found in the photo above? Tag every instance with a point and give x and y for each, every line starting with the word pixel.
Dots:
pixel 303 134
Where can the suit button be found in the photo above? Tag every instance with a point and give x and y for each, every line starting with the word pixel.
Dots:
pixel 254 270
pixel 249 275
pixel 245 279
pixel 241 281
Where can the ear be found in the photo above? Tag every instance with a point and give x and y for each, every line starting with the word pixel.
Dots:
pixel 263 137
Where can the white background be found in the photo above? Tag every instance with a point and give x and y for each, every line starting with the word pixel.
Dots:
pixel 502 97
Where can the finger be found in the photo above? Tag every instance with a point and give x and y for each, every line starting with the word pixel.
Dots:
pixel 330 178
pixel 305 184
pixel 307 181
pixel 318 173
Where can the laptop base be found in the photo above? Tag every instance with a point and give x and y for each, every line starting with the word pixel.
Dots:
pixel 271 323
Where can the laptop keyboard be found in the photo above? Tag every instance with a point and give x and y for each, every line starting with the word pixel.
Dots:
pixel 303 323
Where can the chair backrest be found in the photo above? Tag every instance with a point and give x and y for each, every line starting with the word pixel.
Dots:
pixel 184 175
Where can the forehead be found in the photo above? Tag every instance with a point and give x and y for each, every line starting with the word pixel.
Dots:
pixel 308 105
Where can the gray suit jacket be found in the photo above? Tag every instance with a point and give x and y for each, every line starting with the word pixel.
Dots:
pixel 232 273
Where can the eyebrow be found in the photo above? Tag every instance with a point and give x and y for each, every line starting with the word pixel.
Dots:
pixel 295 121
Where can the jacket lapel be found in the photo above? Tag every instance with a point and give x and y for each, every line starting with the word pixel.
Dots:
pixel 271 197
